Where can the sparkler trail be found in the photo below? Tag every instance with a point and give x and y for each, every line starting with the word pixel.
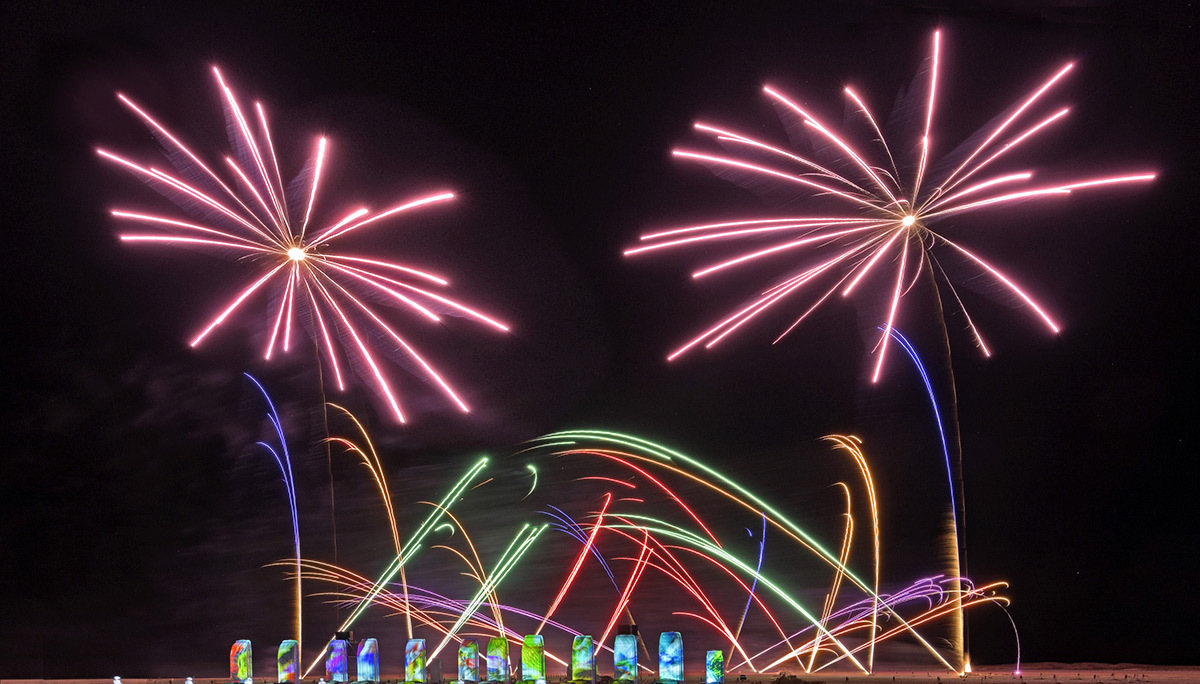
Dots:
pixel 874 216
pixel 285 238
pixel 409 549
pixel 635 521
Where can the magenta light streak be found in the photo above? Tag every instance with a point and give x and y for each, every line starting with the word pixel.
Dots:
pixel 237 301
pixel 933 73
pixel 247 212
pixel 871 119
pixel 335 232
pixel 811 121
pixel 278 319
pixel 891 313
pixel 395 267
pixel 312 195
pixel 799 222
pixel 880 213
pixel 1008 146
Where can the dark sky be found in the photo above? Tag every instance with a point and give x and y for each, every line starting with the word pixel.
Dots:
pixel 132 510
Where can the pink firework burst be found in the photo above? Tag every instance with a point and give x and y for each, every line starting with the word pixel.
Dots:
pixel 884 214
pixel 257 218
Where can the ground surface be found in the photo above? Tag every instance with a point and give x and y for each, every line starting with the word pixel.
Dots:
pixel 1099 673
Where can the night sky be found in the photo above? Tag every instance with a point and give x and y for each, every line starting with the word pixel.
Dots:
pixel 134 510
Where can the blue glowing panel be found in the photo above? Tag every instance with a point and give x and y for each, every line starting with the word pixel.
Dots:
pixel 497 659
pixel 468 661
pixel 583 659
pixel 533 659
pixel 625 650
pixel 714 667
pixel 289 649
pixel 414 661
pixel 670 657
pixel 337 667
pixel 368 661
pixel 241 661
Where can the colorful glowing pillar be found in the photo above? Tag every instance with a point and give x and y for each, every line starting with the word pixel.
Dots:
pixel 241 662
pixel 468 661
pixel 497 659
pixel 583 659
pixel 533 659
pixel 337 667
pixel 670 657
pixel 625 650
pixel 368 661
pixel 414 661
pixel 714 667
pixel 288 660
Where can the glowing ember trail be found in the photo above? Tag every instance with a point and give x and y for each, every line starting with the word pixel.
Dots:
pixel 892 211
pixel 256 218
pixel 667 561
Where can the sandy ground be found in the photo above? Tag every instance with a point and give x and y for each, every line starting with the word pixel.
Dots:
pixel 1049 673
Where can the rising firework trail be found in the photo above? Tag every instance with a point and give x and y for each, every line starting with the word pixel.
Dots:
pixel 289 483
pixel 881 220
pixel 282 232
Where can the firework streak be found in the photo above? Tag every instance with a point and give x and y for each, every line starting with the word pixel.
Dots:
pixel 880 217
pixel 279 229
pixel 645 538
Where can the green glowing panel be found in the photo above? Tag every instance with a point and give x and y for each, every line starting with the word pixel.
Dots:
pixel 625 650
pixel 337 667
pixel 714 668
pixel 583 659
pixel 497 659
pixel 368 661
pixel 241 661
pixel 289 650
pixel 468 661
pixel 414 661
pixel 670 657
pixel 533 658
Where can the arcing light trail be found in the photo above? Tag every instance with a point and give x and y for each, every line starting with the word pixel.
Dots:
pixel 289 483
pixel 957 532
pixel 656 544
pixel 278 228
pixel 881 219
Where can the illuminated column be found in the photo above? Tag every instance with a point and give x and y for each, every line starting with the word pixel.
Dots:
pixel 497 659
pixel 368 661
pixel 625 650
pixel 414 661
pixel 241 661
pixel 468 661
pixel 286 661
pixel 714 668
pixel 670 657
pixel 337 667
pixel 583 659
pixel 533 659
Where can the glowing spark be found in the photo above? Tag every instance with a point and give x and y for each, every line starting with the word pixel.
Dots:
pixel 888 222
pixel 251 216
